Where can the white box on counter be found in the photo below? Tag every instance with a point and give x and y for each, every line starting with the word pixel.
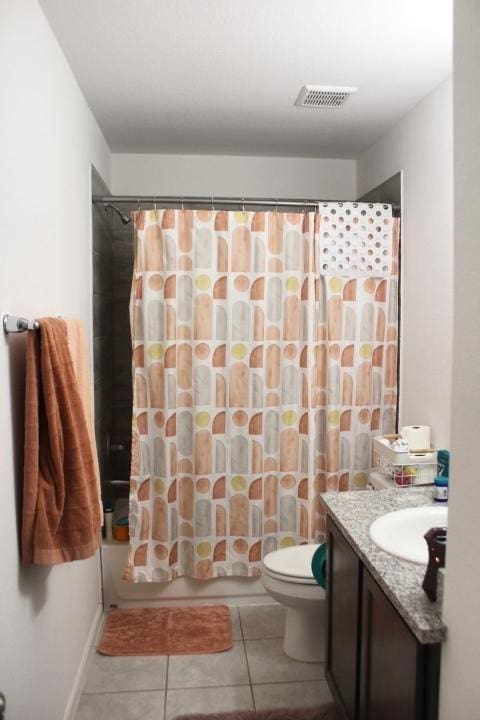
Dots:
pixel 404 468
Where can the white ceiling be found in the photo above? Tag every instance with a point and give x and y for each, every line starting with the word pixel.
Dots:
pixel 222 76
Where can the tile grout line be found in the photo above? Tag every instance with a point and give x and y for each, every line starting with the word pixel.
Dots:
pixel 246 657
pixel 210 687
pixel 166 690
pixel 207 687
pixel 175 689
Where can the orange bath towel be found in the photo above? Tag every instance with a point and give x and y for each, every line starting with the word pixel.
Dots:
pixel 77 345
pixel 61 513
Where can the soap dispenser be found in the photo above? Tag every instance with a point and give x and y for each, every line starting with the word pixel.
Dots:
pixel 437 544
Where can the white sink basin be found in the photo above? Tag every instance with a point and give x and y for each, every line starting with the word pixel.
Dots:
pixel 401 532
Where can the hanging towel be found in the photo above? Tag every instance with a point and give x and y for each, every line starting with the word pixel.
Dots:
pixel 61 514
pixel 77 345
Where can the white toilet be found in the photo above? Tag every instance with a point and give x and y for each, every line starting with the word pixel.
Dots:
pixel 287 576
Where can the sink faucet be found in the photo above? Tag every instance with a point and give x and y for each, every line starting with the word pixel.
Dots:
pixel 437 543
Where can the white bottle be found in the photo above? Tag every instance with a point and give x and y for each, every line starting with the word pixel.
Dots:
pixel 108 521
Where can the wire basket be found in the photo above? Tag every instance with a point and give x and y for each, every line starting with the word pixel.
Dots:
pixel 404 469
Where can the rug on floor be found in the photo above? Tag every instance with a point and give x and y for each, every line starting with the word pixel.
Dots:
pixel 167 631
pixel 323 712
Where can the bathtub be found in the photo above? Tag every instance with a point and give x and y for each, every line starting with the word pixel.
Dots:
pixel 182 591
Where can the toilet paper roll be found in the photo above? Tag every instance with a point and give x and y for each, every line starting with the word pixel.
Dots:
pixel 417 437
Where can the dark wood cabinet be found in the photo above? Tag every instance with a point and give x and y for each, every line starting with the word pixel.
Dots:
pixel 395 669
pixel 376 668
pixel 343 619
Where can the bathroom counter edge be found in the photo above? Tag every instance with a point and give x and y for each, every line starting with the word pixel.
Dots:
pixel 353 512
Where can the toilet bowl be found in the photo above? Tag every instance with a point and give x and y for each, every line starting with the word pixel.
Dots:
pixel 287 576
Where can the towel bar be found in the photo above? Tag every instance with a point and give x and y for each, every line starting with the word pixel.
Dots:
pixel 16 324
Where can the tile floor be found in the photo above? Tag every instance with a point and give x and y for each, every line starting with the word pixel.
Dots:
pixel 255 673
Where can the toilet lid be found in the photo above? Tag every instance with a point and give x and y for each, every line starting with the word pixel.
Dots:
pixel 292 562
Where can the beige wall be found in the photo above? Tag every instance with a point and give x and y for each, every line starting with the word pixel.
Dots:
pixel 233 175
pixel 420 145
pixel 460 686
pixel 48 140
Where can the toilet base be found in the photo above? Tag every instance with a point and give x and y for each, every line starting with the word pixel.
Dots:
pixel 305 634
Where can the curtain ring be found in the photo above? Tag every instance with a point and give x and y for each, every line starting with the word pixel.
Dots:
pixel 138 204
pixel 305 207
pixel 243 204
pixel 182 205
pixel 213 206
pixel 276 204
pixel 154 202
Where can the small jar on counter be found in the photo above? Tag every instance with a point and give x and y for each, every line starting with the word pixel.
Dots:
pixel 440 489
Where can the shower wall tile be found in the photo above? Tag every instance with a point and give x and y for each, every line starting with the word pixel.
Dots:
pixel 103 229
pixel 102 315
pixel 101 429
pixel 122 263
pixel 102 310
pixel 102 360
pixel 123 384
pixel 123 421
pixel 102 273
pixel 123 259
pixel 103 403
pixel 121 321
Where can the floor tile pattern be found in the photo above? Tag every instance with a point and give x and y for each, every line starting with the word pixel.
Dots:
pixel 255 673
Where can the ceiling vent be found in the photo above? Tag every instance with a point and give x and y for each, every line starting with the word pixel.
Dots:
pixel 323 96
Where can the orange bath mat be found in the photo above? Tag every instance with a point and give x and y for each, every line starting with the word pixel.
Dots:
pixel 167 631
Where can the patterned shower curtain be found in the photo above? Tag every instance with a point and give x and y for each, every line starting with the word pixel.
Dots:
pixel 264 358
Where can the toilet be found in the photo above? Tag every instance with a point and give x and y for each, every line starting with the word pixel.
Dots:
pixel 287 576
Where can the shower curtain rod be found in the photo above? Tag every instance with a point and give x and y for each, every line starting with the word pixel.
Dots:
pixel 213 201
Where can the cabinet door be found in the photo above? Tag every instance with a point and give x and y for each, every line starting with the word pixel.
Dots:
pixel 343 620
pixel 392 661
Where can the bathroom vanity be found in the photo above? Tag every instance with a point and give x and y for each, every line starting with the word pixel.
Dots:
pixel 383 634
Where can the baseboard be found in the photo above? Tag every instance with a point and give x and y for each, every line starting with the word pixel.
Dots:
pixel 72 703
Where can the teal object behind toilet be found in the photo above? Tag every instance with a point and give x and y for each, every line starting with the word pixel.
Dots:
pixel 319 565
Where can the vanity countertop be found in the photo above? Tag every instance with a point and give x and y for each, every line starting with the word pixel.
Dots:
pixel 353 513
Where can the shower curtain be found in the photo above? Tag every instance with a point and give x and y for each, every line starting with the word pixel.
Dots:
pixel 264 358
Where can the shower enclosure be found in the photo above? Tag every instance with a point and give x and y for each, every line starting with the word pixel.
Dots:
pixel 113 258
pixel 112 262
